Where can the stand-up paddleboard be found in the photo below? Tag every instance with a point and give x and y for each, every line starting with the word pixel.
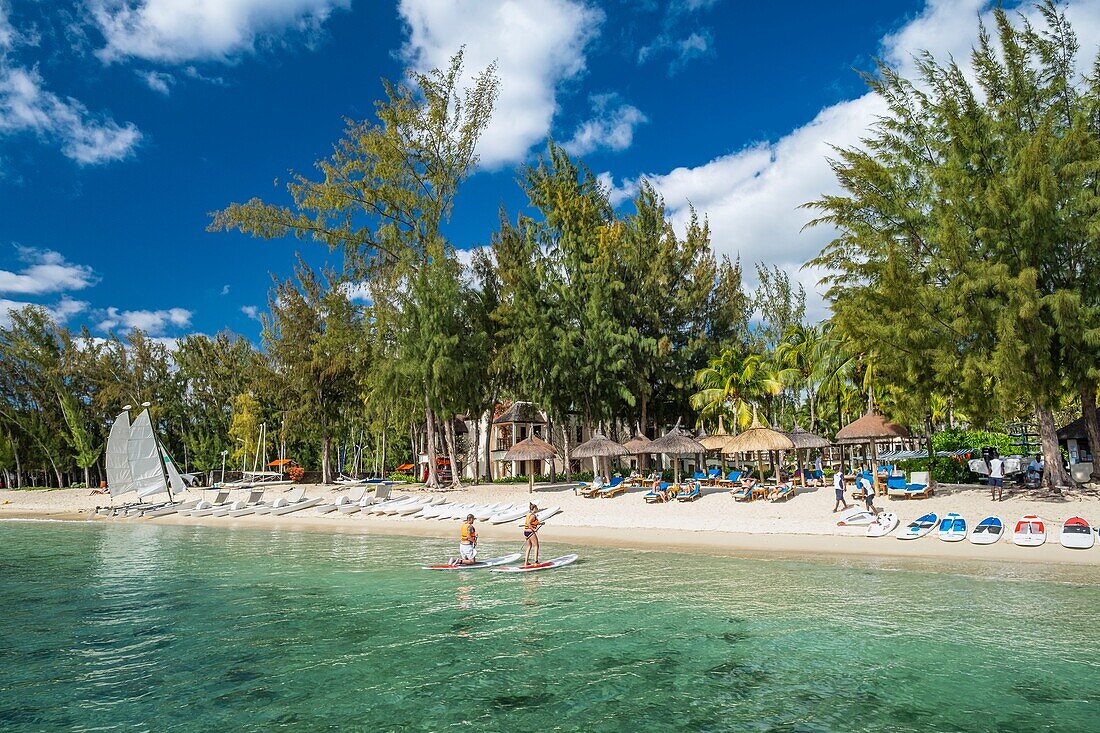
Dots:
pixel 1030 531
pixel 508 516
pixel 886 523
pixel 545 514
pixel 493 562
pixel 557 562
pixel 919 527
pixel 952 528
pixel 482 514
pixel 988 531
pixel 1077 534
pixel 857 518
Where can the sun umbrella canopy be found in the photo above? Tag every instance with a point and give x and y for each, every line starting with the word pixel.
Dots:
pixel 676 442
pixel 871 426
pixel 638 445
pixel 720 438
pixel 532 448
pixel 758 438
pixel 599 446
pixel 804 439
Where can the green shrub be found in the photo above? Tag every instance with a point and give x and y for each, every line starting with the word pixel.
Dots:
pixel 401 476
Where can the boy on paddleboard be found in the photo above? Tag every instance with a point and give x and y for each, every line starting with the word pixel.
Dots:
pixel 467 543
pixel 530 531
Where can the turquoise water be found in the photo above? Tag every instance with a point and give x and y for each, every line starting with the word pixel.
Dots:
pixel 129 627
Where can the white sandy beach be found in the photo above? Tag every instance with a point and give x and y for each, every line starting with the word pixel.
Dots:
pixel 803 526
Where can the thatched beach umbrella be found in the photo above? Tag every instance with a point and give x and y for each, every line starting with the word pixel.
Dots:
pixel 599 446
pixel 758 438
pixel 639 445
pixel 805 440
pixel 869 429
pixel 720 438
pixel 531 448
pixel 676 442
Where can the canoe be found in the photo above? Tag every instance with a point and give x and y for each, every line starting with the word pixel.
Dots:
pixel 952 528
pixel 919 527
pixel 1077 534
pixel 493 562
pixel 988 531
pixel 557 562
pixel 1030 531
pixel 886 523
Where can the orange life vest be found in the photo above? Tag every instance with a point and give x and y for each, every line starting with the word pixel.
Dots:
pixel 531 523
pixel 468 534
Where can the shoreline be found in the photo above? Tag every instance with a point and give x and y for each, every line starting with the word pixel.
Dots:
pixel 932 553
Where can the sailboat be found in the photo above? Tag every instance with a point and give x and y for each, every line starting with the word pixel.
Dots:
pixel 136 462
pixel 257 476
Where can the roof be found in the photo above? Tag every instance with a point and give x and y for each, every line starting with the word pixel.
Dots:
pixel 676 442
pixel 757 438
pixel 718 440
pixel 532 448
pixel 1074 430
pixel 638 445
pixel 520 412
pixel 599 445
pixel 805 439
pixel 871 426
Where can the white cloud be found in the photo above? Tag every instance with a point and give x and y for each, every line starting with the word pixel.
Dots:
pixel 61 311
pixel 26 106
pixel 251 311
pixel 46 272
pixel 357 291
pixel 175 31
pixel 611 127
pixel 752 196
pixel 158 81
pixel 225 290
pixel 697 44
pixel 537 45
pixel 151 322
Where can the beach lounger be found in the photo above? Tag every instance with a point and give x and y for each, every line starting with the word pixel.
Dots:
pixel 743 493
pixel 693 493
pixel 616 487
pixel 731 478
pixel 714 476
pixel 699 476
pixel 784 492
pixel 656 495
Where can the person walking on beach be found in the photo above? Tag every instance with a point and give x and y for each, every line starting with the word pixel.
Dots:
pixel 467 543
pixel 997 478
pixel 530 531
pixel 838 489
pixel 868 494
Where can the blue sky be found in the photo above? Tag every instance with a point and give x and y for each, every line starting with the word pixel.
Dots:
pixel 124 122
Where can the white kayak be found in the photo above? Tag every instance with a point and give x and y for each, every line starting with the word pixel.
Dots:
pixel 387 505
pixel 1077 534
pixel 988 531
pixel 419 508
pixel 557 562
pixel 416 504
pixel 883 526
pixel 1030 531
pixel 433 511
pixel 952 528
pixel 493 562
pixel 508 516
pixel 919 527
pixel 458 511
pixel 857 518
pixel 544 514
pixel 483 514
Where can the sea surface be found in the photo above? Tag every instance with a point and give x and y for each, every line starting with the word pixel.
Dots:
pixel 131 627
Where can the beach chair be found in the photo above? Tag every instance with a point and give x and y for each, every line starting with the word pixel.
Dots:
pixel 896 487
pixel 714 476
pixel 693 493
pixel 381 494
pixel 616 487
pixel 588 490
pixel 656 495
pixel 699 476
pixel 731 478
pixel 744 493
pixel 920 487
pixel 784 492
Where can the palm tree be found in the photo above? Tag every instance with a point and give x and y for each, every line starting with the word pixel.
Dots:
pixel 731 385
pixel 801 353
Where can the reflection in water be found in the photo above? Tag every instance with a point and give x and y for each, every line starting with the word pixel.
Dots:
pixel 141 627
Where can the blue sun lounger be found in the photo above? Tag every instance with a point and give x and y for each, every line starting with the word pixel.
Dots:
pixel 653 496
pixel 691 494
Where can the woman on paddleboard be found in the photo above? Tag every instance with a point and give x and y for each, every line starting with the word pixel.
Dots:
pixel 530 531
pixel 467 543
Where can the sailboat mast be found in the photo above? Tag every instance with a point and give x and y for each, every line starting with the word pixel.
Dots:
pixel 160 454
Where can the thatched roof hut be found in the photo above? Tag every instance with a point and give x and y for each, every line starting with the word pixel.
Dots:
pixel 599 446
pixel 531 448
pixel 805 440
pixel 757 438
pixel 720 438
pixel 639 445
pixel 870 427
pixel 520 412
pixel 676 442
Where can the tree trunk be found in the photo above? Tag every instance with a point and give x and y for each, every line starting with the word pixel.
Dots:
pixel 449 436
pixel 643 460
pixel 565 450
pixel 550 440
pixel 489 444
pixel 1054 474
pixel 382 468
pixel 429 426
pixel 477 450
pixel 1092 426
pixel 326 446
pixel 87 477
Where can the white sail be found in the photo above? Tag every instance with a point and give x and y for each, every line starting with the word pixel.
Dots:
pixel 120 478
pixel 145 460
pixel 174 477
